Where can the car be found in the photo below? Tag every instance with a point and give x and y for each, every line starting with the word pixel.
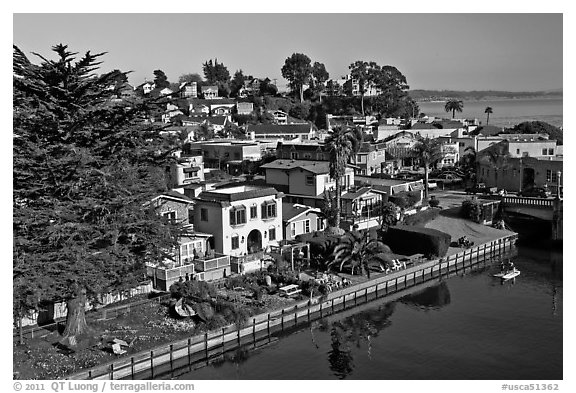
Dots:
pixel 537 192
pixel 481 188
pixel 448 177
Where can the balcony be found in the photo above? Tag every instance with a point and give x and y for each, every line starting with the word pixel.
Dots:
pixel 247 258
pixel 206 264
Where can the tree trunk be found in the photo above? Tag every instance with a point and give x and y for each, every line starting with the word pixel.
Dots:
pixel 487 118
pixel 301 93
pixel 362 103
pixel 425 182
pixel 338 191
pixel 453 113
pixel 76 317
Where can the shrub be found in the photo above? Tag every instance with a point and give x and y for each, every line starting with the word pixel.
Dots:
pixel 471 209
pixel 413 197
pixel 433 202
pixel 422 217
pixel 193 290
pixel 408 240
pixel 399 200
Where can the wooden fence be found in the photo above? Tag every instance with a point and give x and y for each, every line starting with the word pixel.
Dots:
pixel 101 313
pixel 200 349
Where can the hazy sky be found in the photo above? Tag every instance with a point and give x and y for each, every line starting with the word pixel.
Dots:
pixel 434 51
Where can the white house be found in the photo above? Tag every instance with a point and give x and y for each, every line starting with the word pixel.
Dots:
pixel 244 220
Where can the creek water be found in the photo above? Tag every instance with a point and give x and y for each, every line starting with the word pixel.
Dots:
pixel 470 326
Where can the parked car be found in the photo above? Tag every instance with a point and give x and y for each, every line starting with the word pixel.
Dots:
pixel 538 192
pixel 481 188
pixel 450 178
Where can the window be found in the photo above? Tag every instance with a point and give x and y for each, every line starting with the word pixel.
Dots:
pixel 307 156
pixel 184 250
pixel 544 152
pixel 309 180
pixel 548 175
pixel 170 216
pixel 294 155
pixel 203 214
pixel 319 224
pixel 238 215
pixel 307 226
pixel 235 242
pixel 190 175
pixel 236 156
pixel 269 209
pixel 272 234
pixel 253 211
pixel 517 151
pixel 554 177
pixel 550 152
pixel 293 229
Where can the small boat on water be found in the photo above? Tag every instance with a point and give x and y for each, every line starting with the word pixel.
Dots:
pixel 508 275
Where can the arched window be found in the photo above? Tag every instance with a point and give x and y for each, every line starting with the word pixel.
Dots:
pixel 238 215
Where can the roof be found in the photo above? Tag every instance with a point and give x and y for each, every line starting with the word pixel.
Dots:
pixel 449 124
pixel 356 194
pixel 174 195
pixel 487 130
pixel 238 193
pixel 217 120
pixel 423 126
pixel 291 211
pixel 260 129
pixel 316 167
pixel 204 88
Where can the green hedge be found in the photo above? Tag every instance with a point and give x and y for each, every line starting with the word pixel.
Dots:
pixel 422 217
pixel 408 240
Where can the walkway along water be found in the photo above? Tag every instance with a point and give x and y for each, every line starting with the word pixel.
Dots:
pixel 170 357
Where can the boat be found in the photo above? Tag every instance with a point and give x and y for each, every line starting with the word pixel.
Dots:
pixel 508 275
pixel 183 309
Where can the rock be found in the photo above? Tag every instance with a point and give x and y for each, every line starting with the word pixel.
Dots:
pixel 117 350
pixel 268 280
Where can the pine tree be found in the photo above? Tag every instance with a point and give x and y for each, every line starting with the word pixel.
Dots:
pixel 84 172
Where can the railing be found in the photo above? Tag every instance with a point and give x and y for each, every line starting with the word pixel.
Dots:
pixel 220 260
pixel 181 356
pixel 164 273
pixel 247 258
pixel 513 200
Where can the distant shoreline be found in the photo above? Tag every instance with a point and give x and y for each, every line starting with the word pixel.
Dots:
pixel 442 100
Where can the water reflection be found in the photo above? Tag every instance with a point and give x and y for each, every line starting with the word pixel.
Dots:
pixel 353 332
pixel 431 298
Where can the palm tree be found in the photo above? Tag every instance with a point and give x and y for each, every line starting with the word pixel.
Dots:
pixel 468 163
pixel 497 157
pixel 359 251
pixel 342 143
pixel 488 110
pixel 428 151
pixel 453 105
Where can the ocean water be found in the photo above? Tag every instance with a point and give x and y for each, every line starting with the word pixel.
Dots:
pixel 469 326
pixel 506 112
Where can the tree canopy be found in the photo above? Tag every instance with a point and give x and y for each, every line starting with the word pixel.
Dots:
pixel 454 106
pixel 160 79
pixel 297 70
pixel 537 127
pixel 84 173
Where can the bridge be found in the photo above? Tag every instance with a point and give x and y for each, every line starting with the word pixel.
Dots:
pixel 550 210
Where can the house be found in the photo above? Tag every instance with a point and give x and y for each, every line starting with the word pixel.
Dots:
pixel 189 169
pixel 218 123
pixel 280 117
pixel 194 120
pixel 220 154
pixel 370 158
pixel 519 170
pixel 384 131
pixel 304 181
pixel 361 206
pixel 171 112
pixel 189 90
pixel 281 132
pixel 306 150
pixel 244 108
pixel 190 258
pixel 345 120
pixel 301 219
pixel 391 186
pixel 146 87
pixel 222 108
pixel 209 92
pixel 251 87
pixel 244 220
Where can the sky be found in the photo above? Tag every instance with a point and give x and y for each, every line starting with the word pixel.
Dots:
pixel 514 52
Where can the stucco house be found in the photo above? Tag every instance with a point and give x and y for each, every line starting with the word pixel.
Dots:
pixel 244 220
pixel 210 92
pixel 281 132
